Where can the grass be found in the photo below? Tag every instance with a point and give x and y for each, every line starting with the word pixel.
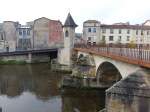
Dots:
pixel 12 62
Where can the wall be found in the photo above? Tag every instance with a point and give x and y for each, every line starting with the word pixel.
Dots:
pixel 95 36
pixel 133 37
pixel 55 33
pixel 41 33
pixel 9 29
pixel 47 33
pixel 27 58
pixel 130 94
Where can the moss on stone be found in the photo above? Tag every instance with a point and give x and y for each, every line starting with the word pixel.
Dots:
pixel 11 62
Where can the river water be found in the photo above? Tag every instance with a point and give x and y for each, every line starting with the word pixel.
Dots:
pixel 34 88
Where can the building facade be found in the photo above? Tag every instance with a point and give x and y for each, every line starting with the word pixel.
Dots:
pixel 9 29
pixel 41 33
pixel 91 31
pixel 124 33
pixel 24 37
pixel 47 33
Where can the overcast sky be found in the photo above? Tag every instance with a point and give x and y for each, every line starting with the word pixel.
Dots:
pixel 106 11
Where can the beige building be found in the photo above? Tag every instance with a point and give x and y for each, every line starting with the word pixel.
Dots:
pixel 94 32
pixel 9 29
pixel 47 33
pixel 91 31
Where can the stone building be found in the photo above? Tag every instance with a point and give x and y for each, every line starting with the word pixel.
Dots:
pixel 41 33
pixel 2 39
pixel 9 29
pixel 24 37
pixel 47 33
pixel 91 31
pixel 55 33
pixel 131 94
pixel 94 32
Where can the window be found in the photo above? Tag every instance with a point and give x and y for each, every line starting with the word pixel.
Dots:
pixel 119 39
pixel 89 29
pixel 66 34
pixel 103 30
pixel 94 43
pixel 119 31
pixel 24 32
pixel 2 38
pixel 103 38
pixel 128 31
pixel 111 38
pixel 142 32
pixel 136 32
pixel 147 32
pixel 128 38
pixel 89 38
pixel 20 32
pixel 94 30
pixel 111 31
pixel 28 32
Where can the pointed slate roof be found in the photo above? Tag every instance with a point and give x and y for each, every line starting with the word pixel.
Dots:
pixel 70 22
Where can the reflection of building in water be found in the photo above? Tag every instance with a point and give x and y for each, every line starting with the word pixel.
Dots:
pixel 91 101
pixel 16 81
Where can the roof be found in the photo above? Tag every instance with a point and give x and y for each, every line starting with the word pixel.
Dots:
pixel 136 27
pixel 91 21
pixel 70 22
pixel 136 84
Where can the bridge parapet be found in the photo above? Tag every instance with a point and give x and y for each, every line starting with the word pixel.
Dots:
pixel 137 55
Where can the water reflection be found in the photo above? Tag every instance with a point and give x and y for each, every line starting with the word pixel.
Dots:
pixel 34 88
pixel 35 79
pixel 83 101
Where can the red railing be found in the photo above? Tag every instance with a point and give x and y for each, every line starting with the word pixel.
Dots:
pixel 139 55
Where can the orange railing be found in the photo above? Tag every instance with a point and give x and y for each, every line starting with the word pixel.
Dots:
pixel 139 55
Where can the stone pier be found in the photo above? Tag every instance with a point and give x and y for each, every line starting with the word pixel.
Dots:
pixel 131 94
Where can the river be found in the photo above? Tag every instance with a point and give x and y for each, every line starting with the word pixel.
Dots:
pixel 34 88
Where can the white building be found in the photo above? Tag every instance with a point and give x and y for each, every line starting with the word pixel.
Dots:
pixel 91 31
pixel 94 32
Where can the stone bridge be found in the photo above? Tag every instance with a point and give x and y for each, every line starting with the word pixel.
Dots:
pixel 112 64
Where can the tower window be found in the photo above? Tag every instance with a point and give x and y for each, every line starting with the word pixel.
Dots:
pixel 66 34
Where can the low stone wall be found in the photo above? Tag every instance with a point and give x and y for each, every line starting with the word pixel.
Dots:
pixel 24 58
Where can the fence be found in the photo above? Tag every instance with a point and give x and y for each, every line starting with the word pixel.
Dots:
pixel 137 55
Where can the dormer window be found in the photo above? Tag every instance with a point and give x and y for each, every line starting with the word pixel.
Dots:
pixel 66 34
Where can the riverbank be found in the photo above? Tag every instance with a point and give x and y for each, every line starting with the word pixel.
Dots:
pixel 82 83
pixel 12 62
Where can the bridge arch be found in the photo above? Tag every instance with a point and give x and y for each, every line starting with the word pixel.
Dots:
pixel 107 73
